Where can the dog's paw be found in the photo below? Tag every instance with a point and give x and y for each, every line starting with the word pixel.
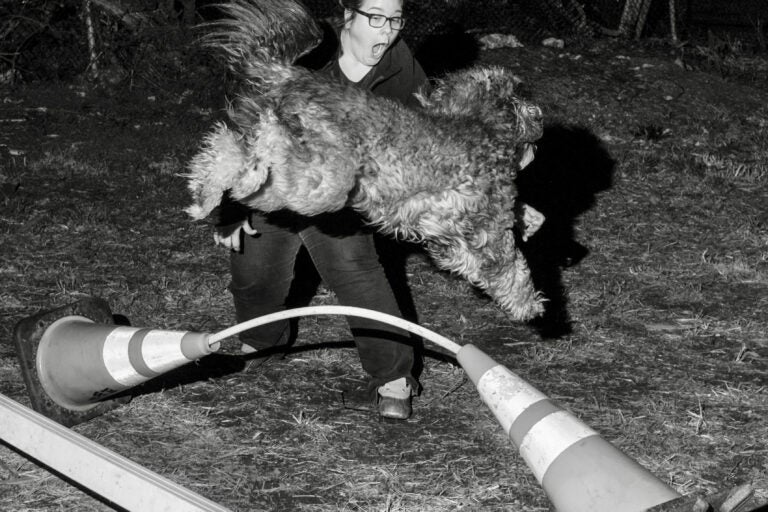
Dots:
pixel 530 221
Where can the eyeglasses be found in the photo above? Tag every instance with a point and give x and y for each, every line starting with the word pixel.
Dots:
pixel 379 20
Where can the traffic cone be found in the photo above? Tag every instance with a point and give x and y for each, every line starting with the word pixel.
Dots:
pixel 578 469
pixel 74 358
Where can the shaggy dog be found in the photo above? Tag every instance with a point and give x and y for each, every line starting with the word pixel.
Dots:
pixel 443 176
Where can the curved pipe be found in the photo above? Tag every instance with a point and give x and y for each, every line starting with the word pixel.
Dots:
pixel 425 333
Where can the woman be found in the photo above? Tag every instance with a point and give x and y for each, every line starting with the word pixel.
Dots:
pixel 369 55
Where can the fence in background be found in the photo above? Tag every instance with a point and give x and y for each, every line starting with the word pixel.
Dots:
pixel 44 39
pixel 532 19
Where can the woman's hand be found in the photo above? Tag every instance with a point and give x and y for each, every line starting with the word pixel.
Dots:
pixel 231 236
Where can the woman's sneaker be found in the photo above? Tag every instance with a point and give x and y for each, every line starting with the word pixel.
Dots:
pixel 248 349
pixel 395 399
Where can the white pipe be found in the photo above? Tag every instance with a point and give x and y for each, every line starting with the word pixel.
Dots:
pixel 442 341
pixel 119 480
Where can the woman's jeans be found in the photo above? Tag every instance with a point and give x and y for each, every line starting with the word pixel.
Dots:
pixel 346 259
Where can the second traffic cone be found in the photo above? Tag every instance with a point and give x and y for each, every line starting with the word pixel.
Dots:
pixel 80 362
pixel 578 469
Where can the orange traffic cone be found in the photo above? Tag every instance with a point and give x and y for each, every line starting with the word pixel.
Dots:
pixel 74 358
pixel 80 362
pixel 578 469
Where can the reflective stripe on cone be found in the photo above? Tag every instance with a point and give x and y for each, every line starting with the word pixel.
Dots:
pixel 578 469
pixel 80 362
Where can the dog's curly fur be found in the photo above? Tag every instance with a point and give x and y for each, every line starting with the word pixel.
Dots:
pixel 442 176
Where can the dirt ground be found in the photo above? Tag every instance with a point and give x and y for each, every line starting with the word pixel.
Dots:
pixel 653 174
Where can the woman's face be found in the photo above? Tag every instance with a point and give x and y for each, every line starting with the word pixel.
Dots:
pixel 367 44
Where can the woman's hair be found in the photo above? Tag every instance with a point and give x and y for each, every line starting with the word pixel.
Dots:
pixel 351 4
pixel 354 4
pixel 339 20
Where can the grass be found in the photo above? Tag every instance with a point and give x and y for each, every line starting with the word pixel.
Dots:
pixel 657 171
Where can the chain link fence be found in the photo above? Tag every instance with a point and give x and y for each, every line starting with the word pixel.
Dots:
pixel 152 39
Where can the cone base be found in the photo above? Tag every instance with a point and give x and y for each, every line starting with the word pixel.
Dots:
pixel 592 475
pixel 27 335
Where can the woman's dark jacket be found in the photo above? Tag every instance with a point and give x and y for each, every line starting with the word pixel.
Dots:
pixel 398 75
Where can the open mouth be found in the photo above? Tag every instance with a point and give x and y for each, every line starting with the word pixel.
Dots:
pixel 378 49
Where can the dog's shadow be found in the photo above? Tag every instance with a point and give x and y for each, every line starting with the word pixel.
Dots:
pixel 571 167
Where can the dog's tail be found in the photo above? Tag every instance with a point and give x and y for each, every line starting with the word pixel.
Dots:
pixel 256 35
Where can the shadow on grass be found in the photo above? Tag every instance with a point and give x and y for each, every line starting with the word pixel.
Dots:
pixel 215 366
pixel 212 366
pixel 450 48
pixel 571 167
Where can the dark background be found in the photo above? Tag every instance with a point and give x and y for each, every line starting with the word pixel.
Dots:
pixel 150 43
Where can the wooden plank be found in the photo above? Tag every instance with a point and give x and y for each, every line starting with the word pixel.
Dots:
pixel 117 479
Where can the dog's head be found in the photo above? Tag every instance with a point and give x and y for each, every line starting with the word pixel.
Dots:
pixel 487 95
